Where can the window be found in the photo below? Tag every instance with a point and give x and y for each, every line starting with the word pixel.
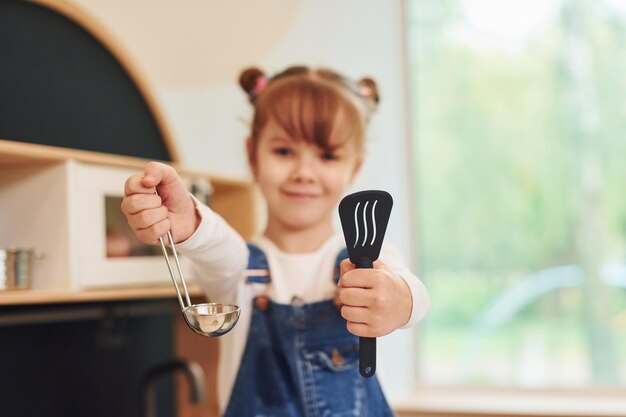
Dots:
pixel 519 138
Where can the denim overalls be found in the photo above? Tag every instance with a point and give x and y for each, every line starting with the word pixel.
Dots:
pixel 300 360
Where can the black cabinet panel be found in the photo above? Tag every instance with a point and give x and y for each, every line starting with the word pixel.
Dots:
pixel 83 366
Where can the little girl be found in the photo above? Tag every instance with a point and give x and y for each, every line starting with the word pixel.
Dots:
pixel 294 351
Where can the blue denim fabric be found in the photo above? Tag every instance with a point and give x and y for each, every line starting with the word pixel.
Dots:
pixel 301 361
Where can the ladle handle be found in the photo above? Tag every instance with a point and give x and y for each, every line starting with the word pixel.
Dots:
pixel 172 275
pixel 180 270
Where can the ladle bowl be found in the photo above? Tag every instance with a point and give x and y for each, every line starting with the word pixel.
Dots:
pixel 210 319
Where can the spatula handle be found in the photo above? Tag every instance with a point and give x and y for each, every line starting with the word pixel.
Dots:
pixel 367 345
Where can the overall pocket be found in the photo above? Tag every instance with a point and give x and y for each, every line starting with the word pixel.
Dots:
pixel 337 384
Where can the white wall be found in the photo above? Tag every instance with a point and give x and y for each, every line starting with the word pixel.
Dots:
pixel 192 52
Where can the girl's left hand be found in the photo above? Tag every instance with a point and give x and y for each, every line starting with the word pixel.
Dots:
pixel 375 301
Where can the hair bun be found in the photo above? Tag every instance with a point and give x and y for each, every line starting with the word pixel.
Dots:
pixel 368 88
pixel 248 80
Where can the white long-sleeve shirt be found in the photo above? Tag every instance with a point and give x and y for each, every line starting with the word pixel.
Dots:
pixel 220 257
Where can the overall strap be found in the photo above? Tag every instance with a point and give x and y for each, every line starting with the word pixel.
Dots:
pixel 342 255
pixel 258 271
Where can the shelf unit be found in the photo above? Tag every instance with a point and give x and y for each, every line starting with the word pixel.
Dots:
pixel 232 199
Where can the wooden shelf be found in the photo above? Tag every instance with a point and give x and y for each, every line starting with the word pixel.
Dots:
pixel 14 153
pixel 30 297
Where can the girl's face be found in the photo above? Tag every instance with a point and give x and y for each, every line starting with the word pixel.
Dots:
pixel 301 182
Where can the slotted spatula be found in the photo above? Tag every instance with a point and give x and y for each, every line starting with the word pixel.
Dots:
pixel 364 216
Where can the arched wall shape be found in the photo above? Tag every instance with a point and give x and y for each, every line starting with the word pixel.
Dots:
pixel 64 81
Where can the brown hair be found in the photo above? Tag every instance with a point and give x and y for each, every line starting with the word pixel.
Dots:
pixel 307 102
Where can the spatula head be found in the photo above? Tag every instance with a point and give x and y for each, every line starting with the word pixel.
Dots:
pixel 364 216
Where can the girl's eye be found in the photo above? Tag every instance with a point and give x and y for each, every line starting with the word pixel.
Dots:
pixel 329 156
pixel 282 151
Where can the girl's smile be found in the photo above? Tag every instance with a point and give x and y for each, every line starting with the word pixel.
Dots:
pixel 299 195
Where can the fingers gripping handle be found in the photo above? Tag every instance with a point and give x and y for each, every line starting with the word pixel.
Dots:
pixel 367 345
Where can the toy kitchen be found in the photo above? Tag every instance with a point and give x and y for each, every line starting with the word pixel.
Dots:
pixel 89 320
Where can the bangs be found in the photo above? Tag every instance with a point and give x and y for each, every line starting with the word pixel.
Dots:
pixel 310 110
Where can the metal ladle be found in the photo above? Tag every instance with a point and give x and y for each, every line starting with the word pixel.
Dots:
pixel 206 319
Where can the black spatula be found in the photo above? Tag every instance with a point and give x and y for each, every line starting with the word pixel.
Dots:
pixel 364 216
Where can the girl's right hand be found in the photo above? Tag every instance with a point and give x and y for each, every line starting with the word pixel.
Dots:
pixel 151 216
